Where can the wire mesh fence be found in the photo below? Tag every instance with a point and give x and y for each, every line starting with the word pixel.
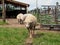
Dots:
pixel 49 14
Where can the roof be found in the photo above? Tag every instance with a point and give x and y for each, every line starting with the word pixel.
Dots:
pixel 48 5
pixel 17 3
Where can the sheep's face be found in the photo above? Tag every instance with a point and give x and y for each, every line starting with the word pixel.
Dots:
pixel 21 21
pixel 29 25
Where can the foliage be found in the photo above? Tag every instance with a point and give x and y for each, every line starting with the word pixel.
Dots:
pixel 47 19
pixel 37 16
pixel 44 19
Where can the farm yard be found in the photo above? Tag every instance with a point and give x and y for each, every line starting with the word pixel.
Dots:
pixel 19 30
pixel 16 34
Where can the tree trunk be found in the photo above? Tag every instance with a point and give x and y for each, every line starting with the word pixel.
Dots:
pixel 3 11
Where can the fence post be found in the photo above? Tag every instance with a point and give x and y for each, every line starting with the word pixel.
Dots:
pixel 3 11
pixel 56 13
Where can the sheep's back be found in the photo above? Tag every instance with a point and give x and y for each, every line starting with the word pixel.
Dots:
pixel 30 18
pixel 19 16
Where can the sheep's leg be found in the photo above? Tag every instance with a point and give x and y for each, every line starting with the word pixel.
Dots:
pixel 33 32
pixel 34 26
pixel 30 33
pixel 33 29
pixel 21 21
pixel 18 21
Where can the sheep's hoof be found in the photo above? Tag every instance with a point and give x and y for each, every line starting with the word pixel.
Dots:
pixel 30 36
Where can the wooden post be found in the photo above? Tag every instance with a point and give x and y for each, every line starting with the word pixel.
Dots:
pixel 3 11
pixel 49 10
pixel 56 13
pixel 26 9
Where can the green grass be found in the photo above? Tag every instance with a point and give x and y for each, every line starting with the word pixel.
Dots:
pixel 3 23
pixel 47 38
pixel 18 36
pixel 13 36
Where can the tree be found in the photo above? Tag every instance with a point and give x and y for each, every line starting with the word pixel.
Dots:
pixel 3 11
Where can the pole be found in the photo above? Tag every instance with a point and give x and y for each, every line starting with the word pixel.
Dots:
pixel 37 8
pixel 3 11
pixel 56 13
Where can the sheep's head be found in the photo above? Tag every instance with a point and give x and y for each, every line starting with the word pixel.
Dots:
pixel 29 25
pixel 21 21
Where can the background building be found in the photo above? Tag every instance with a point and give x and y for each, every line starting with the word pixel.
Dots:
pixel 12 8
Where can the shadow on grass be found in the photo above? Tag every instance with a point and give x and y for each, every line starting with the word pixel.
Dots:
pixel 29 41
pixel 38 35
pixel 37 28
pixel 54 29
pixel 29 44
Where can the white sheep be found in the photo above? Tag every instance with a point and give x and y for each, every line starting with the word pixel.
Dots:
pixel 30 23
pixel 20 18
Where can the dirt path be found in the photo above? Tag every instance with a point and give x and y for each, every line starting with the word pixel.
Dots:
pixel 12 23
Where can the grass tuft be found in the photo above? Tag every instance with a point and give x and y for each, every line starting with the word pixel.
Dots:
pixel 3 23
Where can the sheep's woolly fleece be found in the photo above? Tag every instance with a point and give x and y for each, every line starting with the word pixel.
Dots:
pixel 19 16
pixel 30 18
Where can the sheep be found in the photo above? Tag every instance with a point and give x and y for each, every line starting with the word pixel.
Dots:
pixel 30 23
pixel 20 18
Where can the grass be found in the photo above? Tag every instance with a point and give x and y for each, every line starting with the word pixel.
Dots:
pixel 13 36
pixel 47 38
pixel 18 36
pixel 3 23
